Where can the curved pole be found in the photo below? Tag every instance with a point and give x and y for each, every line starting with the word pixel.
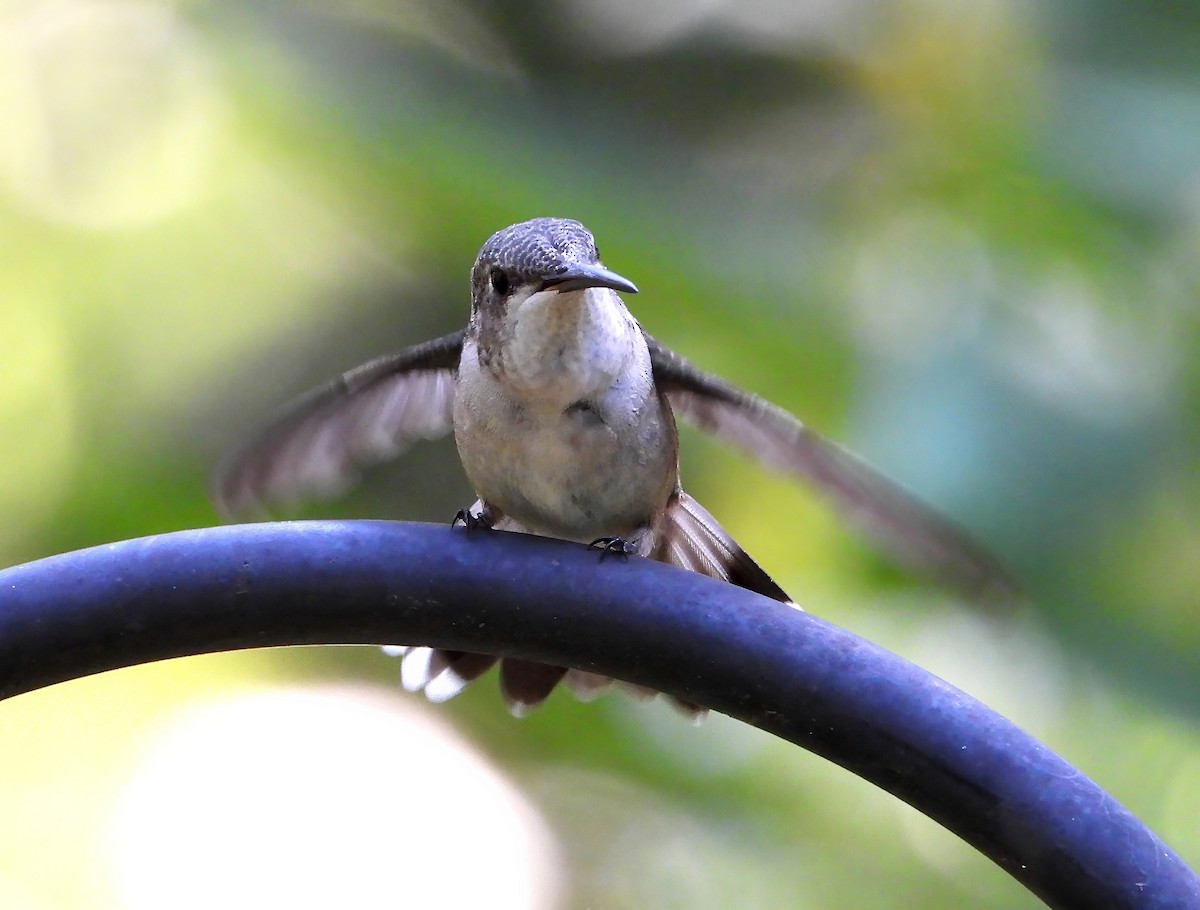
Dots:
pixel 784 671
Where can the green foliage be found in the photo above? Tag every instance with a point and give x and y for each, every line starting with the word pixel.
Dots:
pixel 962 238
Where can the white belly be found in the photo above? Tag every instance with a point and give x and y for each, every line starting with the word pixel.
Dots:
pixel 600 464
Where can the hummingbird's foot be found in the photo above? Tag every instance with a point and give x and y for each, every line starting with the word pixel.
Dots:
pixel 471 521
pixel 614 546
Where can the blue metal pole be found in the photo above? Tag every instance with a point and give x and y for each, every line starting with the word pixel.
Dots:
pixel 784 671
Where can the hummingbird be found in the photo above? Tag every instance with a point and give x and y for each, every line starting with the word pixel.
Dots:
pixel 563 410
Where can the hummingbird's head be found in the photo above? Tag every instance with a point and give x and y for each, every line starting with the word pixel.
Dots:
pixel 545 254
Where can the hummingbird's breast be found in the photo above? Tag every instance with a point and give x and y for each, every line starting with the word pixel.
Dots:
pixel 569 437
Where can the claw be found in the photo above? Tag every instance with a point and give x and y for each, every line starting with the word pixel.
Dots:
pixel 469 521
pixel 615 546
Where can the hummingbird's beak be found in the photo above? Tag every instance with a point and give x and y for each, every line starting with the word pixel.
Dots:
pixel 578 276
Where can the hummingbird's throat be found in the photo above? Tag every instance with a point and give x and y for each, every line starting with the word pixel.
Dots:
pixel 567 346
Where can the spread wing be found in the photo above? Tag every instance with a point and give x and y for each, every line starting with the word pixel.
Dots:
pixel 315 446
pixel 908 529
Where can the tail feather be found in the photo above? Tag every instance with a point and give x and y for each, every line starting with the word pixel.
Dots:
pixel 688 537
pixel 526 685
pixel 587 686
pixel 441 674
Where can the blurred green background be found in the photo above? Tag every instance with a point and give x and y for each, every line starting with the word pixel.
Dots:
pixel 963 238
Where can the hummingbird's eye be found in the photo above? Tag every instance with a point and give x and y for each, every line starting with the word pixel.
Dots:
pixel 499 281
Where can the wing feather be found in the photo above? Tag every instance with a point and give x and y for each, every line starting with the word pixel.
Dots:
pixel 316 446
pixel 909 530
pixel 691 538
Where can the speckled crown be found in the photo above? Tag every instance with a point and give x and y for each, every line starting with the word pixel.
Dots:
pixel 536 249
